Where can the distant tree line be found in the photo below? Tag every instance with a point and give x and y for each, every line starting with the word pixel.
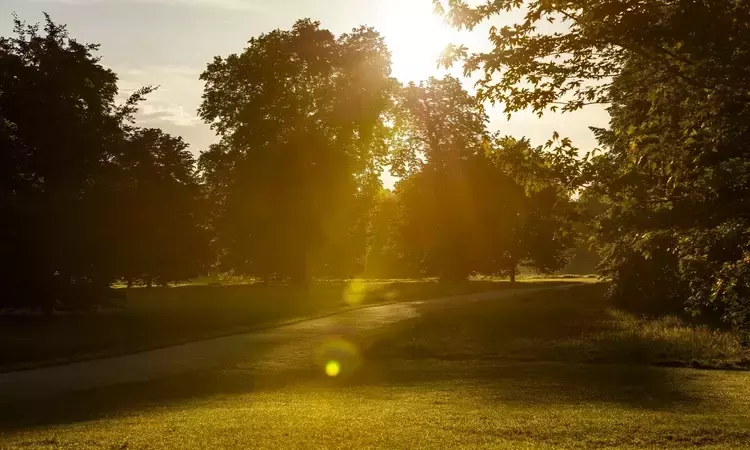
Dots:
pixel 308 121
pixel 87 198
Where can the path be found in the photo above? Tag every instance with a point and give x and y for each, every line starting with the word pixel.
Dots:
pixel 282 346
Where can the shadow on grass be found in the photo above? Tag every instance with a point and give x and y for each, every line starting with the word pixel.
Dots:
pixel 517 376
pixel 529 383
pixel 453 355
pixel 164 316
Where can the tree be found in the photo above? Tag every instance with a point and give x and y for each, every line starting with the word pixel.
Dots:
pixel 382 258
pixel 60 131
pixel 472 204
pixel 676 176
pixel 538 213
pixel 563 55
pixel 162 210
pixel 439 132
pixel 301 115
pixel 676 74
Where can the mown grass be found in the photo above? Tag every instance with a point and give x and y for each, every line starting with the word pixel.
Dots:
pixel 520 406
pixel 576 325
pixel 163 316
pixel 525 371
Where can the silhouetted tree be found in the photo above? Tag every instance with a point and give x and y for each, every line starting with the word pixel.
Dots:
pixel 384 258
pixel 162 210
pixel 471 204
pixel 301 117
pixel 676 75
pixel 543 218
pixel 60 131
pixel 439 133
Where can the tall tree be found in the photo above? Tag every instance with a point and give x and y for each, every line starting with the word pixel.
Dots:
pixel 677 76
pixel 301 116
pixel 439 133
pixel 676 176
pixel 162 211
pixel 538 215
pixel 382 257
pixel 470 203
pixel 60 131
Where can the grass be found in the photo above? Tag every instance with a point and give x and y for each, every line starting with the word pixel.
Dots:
pixel 552 369
pixel 574 325
pixel 159 317
pixel 518 406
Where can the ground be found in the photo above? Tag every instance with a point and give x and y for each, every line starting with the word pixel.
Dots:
pixel 553 368
pixel 158 317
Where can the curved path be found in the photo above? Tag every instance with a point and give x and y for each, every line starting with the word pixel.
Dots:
pixel 282 346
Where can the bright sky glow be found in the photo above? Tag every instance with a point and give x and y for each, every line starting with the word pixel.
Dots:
pixel 416 37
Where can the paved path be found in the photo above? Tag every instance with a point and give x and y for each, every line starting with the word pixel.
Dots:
pixel 277 346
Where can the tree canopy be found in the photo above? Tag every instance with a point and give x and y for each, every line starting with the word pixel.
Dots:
pixel 78 177
pixel 563 55
pixel 60 133
pixel 307 122
pixel 301 115
pixel 674 168
pixel 471 203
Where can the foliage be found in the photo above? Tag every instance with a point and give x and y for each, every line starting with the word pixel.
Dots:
pixel 439 136
pixel 60 132
pixel 307 122
pixel 383 259
pixel 86 197
pixel 161 210
pixel 471 203
pixel 543 232
pixel 675 175
pixel 563 55
pixel 301 117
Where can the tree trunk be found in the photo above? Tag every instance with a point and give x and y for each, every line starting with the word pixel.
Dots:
pixel 130 282
pixel 513 268
pixel 301 273
pixel 149 281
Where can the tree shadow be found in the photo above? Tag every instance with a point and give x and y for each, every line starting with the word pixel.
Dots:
pixel 196 312
pixel 509 378
pixel 540 382
pixel 533 383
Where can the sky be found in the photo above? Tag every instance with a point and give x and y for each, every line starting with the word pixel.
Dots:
pixel 169 42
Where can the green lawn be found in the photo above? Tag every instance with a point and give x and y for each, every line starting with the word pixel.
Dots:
pixel 160 317
pixel 570 325
pixel 553 369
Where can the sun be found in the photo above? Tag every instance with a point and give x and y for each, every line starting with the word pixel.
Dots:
pixel 416 37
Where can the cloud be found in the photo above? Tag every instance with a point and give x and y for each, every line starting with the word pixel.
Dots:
pixel 243 5
pixel 177 85
pixel 175 114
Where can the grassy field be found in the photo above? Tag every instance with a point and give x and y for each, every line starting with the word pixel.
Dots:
pixel 554 369
pixel 574 325
pixel 163 316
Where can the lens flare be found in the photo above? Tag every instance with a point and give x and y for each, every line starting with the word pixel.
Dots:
pixel 355 292
pixel 333 368
pixel 338 358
